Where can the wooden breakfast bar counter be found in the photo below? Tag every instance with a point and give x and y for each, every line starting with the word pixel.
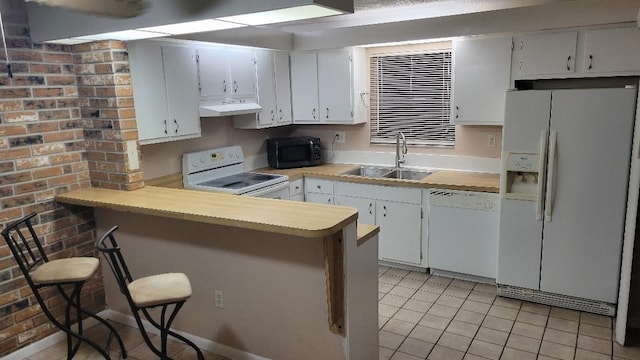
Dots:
pixel 299 279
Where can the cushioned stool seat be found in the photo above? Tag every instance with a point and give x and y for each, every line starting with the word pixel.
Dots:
pixel 160 289
pixel 65 270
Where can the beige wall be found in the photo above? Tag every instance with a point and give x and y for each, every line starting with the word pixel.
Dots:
pixel 274 285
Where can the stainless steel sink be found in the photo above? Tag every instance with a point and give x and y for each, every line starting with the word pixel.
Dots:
pixel 369 171
pixel 406 174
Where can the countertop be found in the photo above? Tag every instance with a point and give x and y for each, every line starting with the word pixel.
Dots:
pixel 283 217
pixel 440 179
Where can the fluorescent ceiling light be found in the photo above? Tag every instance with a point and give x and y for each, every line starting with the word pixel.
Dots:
pixel 282 15
pixel 193 27
pixel 124 35
pixel 68 41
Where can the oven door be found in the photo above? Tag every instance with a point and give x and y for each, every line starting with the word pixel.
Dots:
pixel 277 191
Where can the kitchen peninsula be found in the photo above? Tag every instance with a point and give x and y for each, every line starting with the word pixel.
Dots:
pixel 299 280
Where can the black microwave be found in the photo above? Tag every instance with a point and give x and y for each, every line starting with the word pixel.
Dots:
pixel 293 152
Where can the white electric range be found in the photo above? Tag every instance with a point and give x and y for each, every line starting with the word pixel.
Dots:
pixel 222 170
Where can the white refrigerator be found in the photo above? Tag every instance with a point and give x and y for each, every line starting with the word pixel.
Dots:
pixel 565 236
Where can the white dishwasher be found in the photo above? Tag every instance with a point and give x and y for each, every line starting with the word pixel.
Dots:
pixel 463 232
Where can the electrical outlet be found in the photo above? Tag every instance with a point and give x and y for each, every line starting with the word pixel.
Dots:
pixel 339 136
pixel 491 140
pixel 219 296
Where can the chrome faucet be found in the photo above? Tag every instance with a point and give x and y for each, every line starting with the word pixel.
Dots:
pixel 399 160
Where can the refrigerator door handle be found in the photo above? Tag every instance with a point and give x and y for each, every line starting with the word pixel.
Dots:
pixel 553 143
pixel 544 135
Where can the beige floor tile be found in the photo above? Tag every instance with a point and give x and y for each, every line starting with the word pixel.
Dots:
pixel 595 344
pixel 388 279
pixel 523 343
pixel 384 353
pixel 515 354
pixel 408 316
pixel 485 288
pixel 476 306
pixel 143 352
pixel 393 300
pixel 425 296
pixel 543 357
pixel 483 297
pixel 433 287
pixel 468 356
pixel 411 283
pixel 444 353
pixel 454 341
pixel 582 354
pixel 402 291
pixel 595 331
pixel 566 314
pixel 492 336
pixel 417 305
pixel 496 323
pixel 442 311
pixel 381 295
pixel 595 319
pixel 450 301
pixel 382 269
pixel 625 352
pixel 398 327
pixel 507 302
pixel 462 284
pixel 403 356
pixel 389 340
pixel 381 321
pixel 536 308
pixel 434 321
pixel 560 337
pixel 397 272
pixel 563 325
pixel 485 349
pixel 532 318
pixel 524 329
pixel 457 292
pixel 469 317
pixel 437 279
pixel 462 328
pixel 425 333
pixel 387 310
pixel 416 347
pixel 384 287
pixel 557 350
pixel 503 312
pixel 418 276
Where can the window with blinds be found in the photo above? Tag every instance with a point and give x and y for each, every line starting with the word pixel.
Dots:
pixel 411 93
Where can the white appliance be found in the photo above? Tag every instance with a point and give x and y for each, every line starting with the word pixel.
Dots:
pixel 565 172
pixel 222 170
pixel 463 232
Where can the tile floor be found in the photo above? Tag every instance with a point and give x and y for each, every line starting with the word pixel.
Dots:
pixel 433 317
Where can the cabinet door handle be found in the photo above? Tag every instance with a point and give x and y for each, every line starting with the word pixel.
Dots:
pixel 329 200
pixel 166 129
pixel 224 85
pixel 273 116
pixel 327 113
pixel 313 113
pixel 235 87
pixel 281 114
pixel 371 208
pixel 319 187
pixel 520 65
pixel 384 213
pixel 569 63
pixel 177 125
pixel 457 112
pixel 590 61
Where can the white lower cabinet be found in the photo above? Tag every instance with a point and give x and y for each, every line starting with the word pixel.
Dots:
pixel 296 190
pixel 318 190
pixel 398 212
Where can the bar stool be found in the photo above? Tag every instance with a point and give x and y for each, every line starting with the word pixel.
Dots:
pixel 148 292
pixel 42 273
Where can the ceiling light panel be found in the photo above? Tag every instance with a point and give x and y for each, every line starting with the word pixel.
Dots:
pixel 193 27
pixel 282 15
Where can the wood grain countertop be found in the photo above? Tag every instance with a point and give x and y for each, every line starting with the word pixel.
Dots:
pixel 282 217
pixel 440 179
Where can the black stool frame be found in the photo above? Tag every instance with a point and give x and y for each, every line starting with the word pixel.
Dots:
pixel 29 258
pixel 113 255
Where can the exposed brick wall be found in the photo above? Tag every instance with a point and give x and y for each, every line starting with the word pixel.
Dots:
pixel 62 128
pixel 106 97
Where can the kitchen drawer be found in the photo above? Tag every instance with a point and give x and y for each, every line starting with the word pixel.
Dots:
pixel 377 192
pixel 296 188
pixel 299 197
pixel 319 186
pixel 320 198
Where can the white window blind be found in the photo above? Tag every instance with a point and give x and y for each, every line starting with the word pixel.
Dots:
pixel 412 93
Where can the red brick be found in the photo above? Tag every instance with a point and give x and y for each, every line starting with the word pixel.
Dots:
pixel 17 201
pixel 124 79
pixel 103 68
pixel 124 90
pixel 31 186
pixel 6 167
pixel 87 91
pixel 47 172
pixel 64 158
pixel 15 178
pixel 54 114
pixel 48 92
pixel 45 195
pixel 107 91
pixel 61 80
pixel 25 55
pixel 20 116
pixel 32 162
pixel 62 180
pixel 125 102
pixel 45 69
pixel 46 149
pixel 14 93
pixel 39 104
pixel 58 58
pixel 130 135
pixel 7 130
pixel 11 105
pixel 42 127
pixel 71 91
pixel 15 153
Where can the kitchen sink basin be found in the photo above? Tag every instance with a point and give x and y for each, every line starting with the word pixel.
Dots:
pixel 407 174
pixel 369 171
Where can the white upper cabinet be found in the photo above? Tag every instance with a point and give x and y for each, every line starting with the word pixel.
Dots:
pixel 273 90
pixel 576 54
pixel 226 73
pixel 544 54
pixel 611 50
pixel 323 86
pixel 481 77
pixel 165 91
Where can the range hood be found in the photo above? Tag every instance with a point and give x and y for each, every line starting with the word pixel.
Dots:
pixel 228 108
